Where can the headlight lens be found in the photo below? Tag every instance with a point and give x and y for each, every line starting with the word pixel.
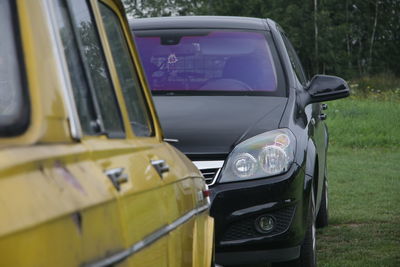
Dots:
pixel 273 160
pixel 266 154
pixel 245 165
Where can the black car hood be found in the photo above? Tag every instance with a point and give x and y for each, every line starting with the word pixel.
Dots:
pixel 213 125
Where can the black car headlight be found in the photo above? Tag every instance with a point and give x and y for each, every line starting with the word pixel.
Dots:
pixel 263 155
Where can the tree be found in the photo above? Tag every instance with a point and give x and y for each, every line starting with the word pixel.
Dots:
pixel 156 8
pixel 347 38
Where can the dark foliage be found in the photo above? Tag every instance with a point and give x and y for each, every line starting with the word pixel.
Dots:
pixel 350 38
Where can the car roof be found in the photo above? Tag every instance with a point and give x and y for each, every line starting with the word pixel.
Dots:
pixel 198 22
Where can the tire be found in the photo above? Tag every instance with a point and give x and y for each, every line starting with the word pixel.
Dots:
pixel 308 252
pixel 323 213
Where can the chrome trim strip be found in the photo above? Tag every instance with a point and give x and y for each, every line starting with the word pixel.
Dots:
pixel 171 140
pixel 208 164
pixel 63 72
pixel 215 177
pixel 148 240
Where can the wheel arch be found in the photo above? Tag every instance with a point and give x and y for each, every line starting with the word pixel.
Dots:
pixel 311 173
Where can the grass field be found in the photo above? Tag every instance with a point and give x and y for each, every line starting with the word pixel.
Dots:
pixel 364 185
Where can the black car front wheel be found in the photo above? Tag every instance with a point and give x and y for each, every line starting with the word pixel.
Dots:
pixel 308 252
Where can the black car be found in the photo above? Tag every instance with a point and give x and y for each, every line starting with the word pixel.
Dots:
pixel 232 95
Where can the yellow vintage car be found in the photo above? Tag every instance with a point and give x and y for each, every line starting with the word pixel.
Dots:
pixel 85 177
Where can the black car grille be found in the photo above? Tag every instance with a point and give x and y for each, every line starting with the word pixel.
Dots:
pixel 245 229
pixel 209 174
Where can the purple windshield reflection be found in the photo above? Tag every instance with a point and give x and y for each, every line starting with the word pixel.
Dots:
pixel 219 61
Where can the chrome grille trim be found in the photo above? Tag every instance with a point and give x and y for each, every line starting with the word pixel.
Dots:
pixel 210 169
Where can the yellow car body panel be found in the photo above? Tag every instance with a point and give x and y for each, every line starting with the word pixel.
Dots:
pixel 50 204
pixel 58 206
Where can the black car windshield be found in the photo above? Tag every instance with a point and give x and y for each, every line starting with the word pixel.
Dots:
pixel 202 62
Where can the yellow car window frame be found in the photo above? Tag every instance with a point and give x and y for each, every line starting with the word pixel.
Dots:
pixel 118 10
pixel 137 108
pixel 101 86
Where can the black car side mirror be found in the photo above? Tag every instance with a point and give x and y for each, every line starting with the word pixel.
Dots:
pixel 325 88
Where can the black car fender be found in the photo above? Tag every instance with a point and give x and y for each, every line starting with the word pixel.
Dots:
pixel 310 179
pixel 311 158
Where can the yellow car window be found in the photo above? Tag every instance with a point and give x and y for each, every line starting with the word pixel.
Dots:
pixel 96 101
pixel 80 87
pixel 13 107
pixel 139 114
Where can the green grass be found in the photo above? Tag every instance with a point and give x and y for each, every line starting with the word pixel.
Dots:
pixel 364 123
pixel 364 185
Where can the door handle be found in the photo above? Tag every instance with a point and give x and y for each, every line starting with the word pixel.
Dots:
pixel 323 116
pixel 117 177
pixel 160 165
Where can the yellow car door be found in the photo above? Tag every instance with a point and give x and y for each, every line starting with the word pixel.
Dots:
pixel 108 138
pixel 164 210
pixel 142 197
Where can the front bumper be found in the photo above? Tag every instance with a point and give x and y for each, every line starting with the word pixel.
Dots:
pixel 257 256
pixel 236 206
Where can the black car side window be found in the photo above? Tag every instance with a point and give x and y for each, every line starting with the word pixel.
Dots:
pixel 92 87
pixel 139 115
pixel 295 61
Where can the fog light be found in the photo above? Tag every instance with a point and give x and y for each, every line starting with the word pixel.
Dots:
pixel 265 223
